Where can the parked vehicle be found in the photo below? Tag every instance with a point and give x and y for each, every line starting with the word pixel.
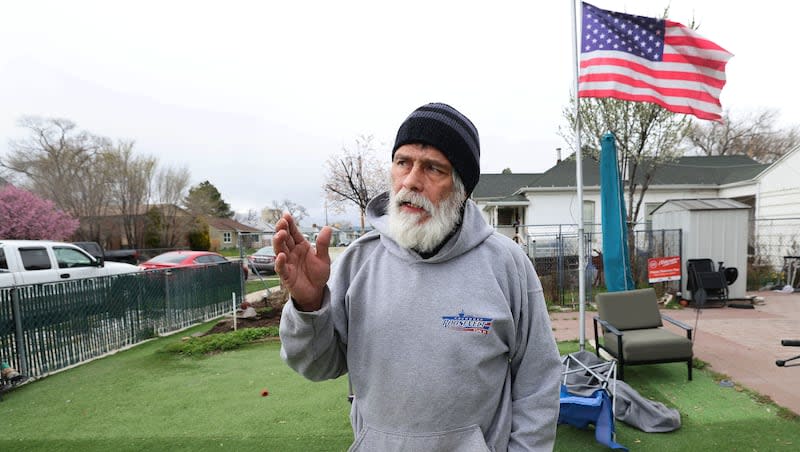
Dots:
pixel 183 258
pixel 44 261
pixel 262 261
pixel 127 256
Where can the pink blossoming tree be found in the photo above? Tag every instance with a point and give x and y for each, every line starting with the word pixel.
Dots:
pixel 24 215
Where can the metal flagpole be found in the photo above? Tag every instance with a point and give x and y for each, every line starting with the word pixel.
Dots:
pixel 579 184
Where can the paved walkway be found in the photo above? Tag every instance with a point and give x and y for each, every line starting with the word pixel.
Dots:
pixel 740 343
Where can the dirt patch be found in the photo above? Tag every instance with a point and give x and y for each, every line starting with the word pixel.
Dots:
pixel 268 313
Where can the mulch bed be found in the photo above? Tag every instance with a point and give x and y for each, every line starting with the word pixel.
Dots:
pixel 275 300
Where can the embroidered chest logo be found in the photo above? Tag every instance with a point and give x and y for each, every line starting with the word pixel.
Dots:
pixel 468 323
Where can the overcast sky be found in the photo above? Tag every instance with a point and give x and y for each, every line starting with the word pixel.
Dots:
pixel 255 96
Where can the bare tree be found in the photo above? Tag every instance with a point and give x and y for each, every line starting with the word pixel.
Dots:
pixel 355 176
pixel 271 215
pixel 132 190
pixel 250 218
pixel 296 210
pixel 647 136
pixel 171 185
pixel 756 136
pixel 70 167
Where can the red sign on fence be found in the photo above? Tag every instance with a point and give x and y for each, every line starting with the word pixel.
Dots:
pixel 663 269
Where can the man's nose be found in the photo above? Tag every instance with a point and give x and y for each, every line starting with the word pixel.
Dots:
pixel 413 179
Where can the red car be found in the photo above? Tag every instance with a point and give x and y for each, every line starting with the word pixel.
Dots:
pixel 173 259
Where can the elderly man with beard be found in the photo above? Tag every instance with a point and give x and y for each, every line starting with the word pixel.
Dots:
pixel 439 320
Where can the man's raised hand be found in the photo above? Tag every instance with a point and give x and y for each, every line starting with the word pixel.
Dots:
pixel 304 269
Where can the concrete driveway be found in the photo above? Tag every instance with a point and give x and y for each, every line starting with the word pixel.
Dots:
pixel 740 343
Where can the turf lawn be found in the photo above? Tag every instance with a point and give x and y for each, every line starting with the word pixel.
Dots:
pixel 145 399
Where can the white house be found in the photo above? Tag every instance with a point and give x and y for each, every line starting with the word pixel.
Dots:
pixel 546 201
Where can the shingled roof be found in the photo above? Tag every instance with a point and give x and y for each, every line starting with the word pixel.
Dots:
pixel 229 224
pixel 502 185
pixel 714 170
pixel 687 170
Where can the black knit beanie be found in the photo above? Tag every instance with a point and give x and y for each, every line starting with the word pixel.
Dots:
pixel 446 129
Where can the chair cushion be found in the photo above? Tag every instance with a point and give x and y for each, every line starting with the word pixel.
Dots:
pixel 630 309
pixel 652 344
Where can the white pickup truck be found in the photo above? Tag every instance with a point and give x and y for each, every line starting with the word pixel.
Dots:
pixel 40 261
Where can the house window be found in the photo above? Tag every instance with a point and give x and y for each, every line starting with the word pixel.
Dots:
pixel 227 237
pixel 505 216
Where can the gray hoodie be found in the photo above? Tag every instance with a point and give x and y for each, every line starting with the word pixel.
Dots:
pixel 449 353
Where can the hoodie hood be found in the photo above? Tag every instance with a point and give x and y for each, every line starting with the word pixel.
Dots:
pixel 472 232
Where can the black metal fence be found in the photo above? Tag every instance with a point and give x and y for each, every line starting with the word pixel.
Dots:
pixel 554 252
pixel 48 327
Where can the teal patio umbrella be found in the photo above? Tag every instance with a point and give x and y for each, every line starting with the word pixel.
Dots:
pixel 616 260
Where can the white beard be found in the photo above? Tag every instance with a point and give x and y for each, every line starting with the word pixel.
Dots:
pixel 405 228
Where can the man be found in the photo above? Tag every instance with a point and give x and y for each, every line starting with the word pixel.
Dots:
pixel 439 320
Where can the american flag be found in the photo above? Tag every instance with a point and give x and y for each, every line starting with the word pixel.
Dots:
pixel 650 60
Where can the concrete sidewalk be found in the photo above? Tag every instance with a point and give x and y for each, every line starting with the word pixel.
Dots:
pixel 740 343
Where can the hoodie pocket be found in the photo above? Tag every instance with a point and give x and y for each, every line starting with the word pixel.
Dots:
pixel 465 439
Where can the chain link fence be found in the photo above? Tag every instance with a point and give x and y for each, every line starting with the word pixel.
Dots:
pixel 48 327
pixel 773 257
pixel 554 252
pixel 773 253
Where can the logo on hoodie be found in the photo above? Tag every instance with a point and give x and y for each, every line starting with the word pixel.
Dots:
pixel 468 323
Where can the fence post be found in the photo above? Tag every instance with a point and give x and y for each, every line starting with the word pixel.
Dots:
pixel 22 355
pixel 560 265
pixel 680 253
pixel 167 311
pixel 242 262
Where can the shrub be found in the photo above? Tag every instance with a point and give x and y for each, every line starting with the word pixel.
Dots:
pixel 214 343
pixel 199 237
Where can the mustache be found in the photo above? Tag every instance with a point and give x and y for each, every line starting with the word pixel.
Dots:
pixel 406 196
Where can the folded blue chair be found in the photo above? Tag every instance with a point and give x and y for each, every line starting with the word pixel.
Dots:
pixel 579 411
pixel 596 409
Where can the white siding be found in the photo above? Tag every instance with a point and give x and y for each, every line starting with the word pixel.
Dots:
pixel 559 207
pixel 779 188
pixel 739 191
pixel 777 210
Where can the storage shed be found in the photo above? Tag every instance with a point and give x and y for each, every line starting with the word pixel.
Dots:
pixel 715 229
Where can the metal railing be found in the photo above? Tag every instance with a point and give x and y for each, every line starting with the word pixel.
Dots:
pixel 48 327
pixel 553 249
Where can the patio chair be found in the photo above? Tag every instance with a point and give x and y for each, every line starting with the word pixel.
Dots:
pixel 708 283
pixel 633 333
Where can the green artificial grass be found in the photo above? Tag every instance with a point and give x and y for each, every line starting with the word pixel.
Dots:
pixel 144 399
pixel 713 416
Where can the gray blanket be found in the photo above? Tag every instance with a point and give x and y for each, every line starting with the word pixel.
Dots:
pixel 631 408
